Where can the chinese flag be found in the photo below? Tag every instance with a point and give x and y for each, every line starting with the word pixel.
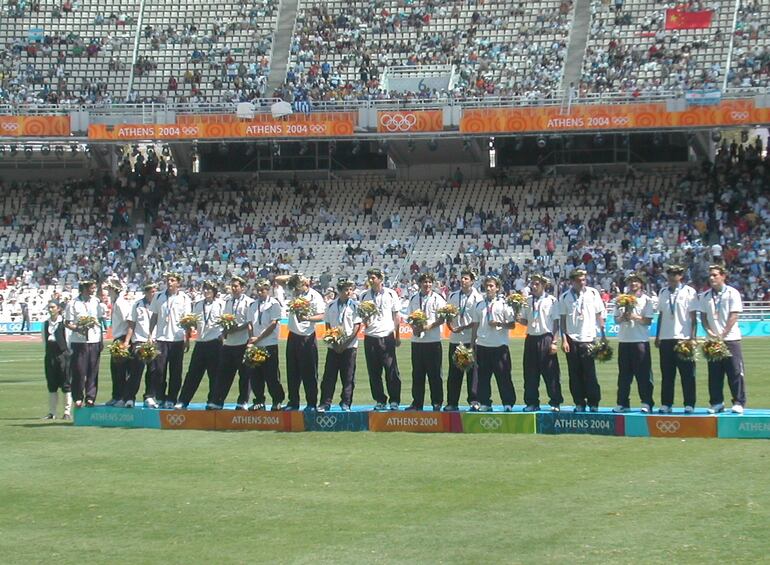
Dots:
pixel 676 19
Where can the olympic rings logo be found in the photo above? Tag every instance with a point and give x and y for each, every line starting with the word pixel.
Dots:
pixel 398 121
pixel 667 426
pixel 490 423
pixel 317 128
pixel 326 422
pixel 10 126
pixel 739 115
pixel 175 419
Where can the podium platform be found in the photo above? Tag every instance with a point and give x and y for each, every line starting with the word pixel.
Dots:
pixel 754 423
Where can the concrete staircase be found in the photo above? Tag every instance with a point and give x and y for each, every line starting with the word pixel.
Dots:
pixel 578 37
pixel 287 15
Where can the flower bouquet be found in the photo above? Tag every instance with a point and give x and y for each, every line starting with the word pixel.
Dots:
pixel 85 323
pixel 227 322
pixel 447 313
pixel 627 302
pixel 463 357
pixel 147 352
pixel 255 356
pixel 517 301
pixel 119 351
pixel 367 310
pixel 715 350
pixel 301 307
pixel 601 350
pixel 333 336
pixel 686 350
pixel 190 321
pixel 418 320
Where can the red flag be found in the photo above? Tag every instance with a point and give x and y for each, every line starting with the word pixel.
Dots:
pixel 676 19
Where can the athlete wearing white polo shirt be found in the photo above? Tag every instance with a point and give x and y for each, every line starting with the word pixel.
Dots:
pixel 492 318
pixel 634 358
pixel 677 321
pixel 121 310
pixel 168 308
pixel 381 337
pixel 208 347
pixel 234 346
pixel 301 346
pixel 720 307
pixel 265 319
pixel 86 344
pixel 582 312
pixel 341 358
pixel 465 300
pixel 541 316
pixel 426 346
pixel 138 333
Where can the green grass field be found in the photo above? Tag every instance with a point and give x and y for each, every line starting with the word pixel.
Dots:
pixel 90 495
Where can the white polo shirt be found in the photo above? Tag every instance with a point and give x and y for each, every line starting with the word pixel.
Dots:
pixel 140 315
pixel 343 316
pixel 718 306
pixel 319 307
pixel 428 304
pixel 581 311
pixel 209 312
pixel 492 311
pixel 264 313
pixel 388 303
pixel 170 309
pixel 633 331
pixel 540 314
pixel 78 308
pixel 675 308
pixel 121 309
pixel 465 303
pixel 241 308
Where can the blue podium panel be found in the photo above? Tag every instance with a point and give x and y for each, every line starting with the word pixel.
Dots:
pixel 580 423
pixel 336 421
pixel 745 427
pixel 108 417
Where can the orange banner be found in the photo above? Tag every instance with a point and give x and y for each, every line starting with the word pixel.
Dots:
pixel 187 420
pixel 414 422
pixel 684 426
pixel 204 127
pixel 34 126
pixel 246 420
pixel 615 117
pixel 404 121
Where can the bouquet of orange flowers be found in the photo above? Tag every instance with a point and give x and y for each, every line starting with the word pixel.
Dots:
pixel 517 301
pixel 190 321
pixel 254 356
pixel 147 352
pixel 686 350
pixel 715 350
pixel 119 351
pixel 367 310
pixel 447 313
pixel 227 322
pixel 333 336
pixel 301 307
pixel 418 320
pixel 463 357
pixel 627 302
pixel 601 350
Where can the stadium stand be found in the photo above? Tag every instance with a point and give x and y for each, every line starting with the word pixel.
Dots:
pixel 146 222
pixel 341 49
pixel 630 50
pixel 751 52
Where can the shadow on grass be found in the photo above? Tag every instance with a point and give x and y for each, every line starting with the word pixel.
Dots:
pixel 33 425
